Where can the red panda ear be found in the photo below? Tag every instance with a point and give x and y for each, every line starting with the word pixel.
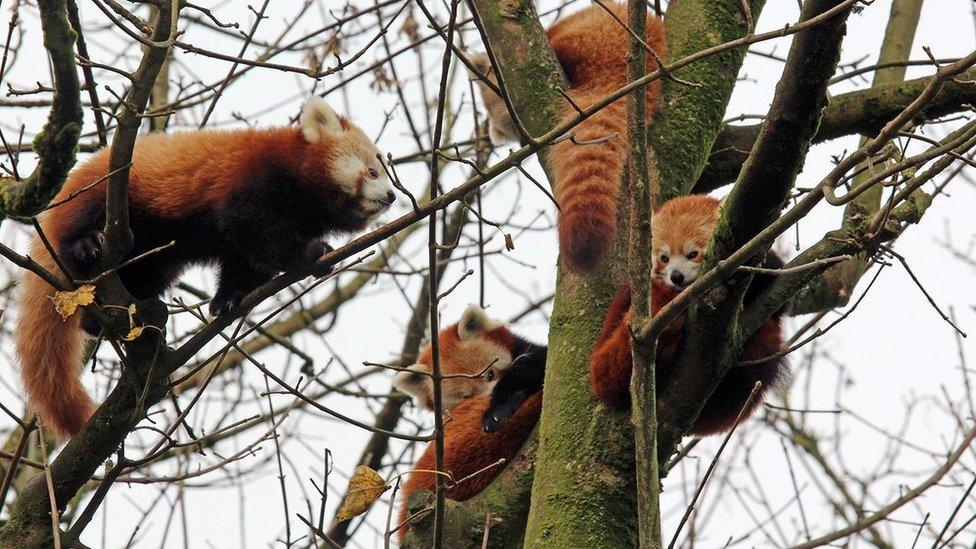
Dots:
pixel 474 322
pixel 718 211
pixel 412 380
pixel 318 120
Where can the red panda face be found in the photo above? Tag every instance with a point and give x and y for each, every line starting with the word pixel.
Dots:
pixel 680 231
pixel 473 354
pixel 348 157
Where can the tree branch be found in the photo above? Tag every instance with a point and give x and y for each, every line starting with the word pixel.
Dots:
pixel 858 112
pixel 754 203
pixel 642 383
pixel 897 46
pixel 56 143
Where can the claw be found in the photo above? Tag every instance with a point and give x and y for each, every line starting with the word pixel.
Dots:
pixel 313 252
pixel 222 304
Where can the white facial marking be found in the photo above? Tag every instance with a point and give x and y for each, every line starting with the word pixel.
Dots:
pixel 377 191
pixel 348 170
pixel 681 270
pixel 664 250
pixel 501 359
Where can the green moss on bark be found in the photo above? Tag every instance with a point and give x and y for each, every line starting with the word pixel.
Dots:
pixel 691 117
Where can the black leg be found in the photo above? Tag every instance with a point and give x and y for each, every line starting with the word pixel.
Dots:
pixel 502 409
pixel 237 279
pixel 90 324
pixel 762 281
pixel 523 379
pixel 80 255
pixel 280 244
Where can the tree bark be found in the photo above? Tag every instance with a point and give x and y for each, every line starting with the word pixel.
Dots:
pixel 754 202
pixel 836 285
pixel 55 145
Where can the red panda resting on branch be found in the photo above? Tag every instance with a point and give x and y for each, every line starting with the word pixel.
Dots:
pixel 255 201
pixel 475 345
pixel 680 231
pixel 591 46
pixel 482 429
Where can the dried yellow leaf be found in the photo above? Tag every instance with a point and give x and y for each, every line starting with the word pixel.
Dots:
pixel 66 303
pixel 365 487
pixel 135 332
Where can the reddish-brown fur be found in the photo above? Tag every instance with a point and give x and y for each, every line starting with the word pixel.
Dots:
pixel 51 351
pixel 592 48
pixel 466 348
pixel 676 222
pixel 171 177
pixel 486 347
pixel 468 449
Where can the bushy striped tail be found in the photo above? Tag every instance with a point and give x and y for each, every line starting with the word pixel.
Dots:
pixel 591 46
pixel 586 170
pixel 732 394
pixel 51 354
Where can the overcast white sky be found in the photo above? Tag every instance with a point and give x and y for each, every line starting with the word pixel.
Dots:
pixel 894 349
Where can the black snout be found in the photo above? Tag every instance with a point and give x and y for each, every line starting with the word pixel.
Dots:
pixel 677 278
pixel 390 198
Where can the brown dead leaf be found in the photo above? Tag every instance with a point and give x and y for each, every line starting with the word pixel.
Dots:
pixel 365 487
pixel 509 242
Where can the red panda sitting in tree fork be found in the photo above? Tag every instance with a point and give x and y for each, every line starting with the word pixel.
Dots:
pixel 680 231
pixel 479 356
pixel 255 202
pixel 591 47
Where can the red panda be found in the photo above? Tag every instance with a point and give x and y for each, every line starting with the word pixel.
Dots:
pixel 680 231
pixel 592 47
pixel 473 352
pixel 466 349
pixel 483 429
pixel 255 202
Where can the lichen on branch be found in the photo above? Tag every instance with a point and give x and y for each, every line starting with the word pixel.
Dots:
pixel 56 143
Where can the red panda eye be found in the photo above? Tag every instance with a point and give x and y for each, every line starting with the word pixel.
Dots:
pixel 373 173
pixel 664 258
pixel 692 254
pixel 490 375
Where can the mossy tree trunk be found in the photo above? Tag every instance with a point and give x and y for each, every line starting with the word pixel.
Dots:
pixel 584 465
pixel 56 143
pixel 584 468
pixel 582 492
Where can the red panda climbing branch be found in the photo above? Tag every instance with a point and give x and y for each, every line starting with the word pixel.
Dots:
pixel 255 202
pixel 591 46
pixel 681 229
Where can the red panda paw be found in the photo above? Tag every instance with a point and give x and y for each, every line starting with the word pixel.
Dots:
pixel 497 416
pixel 314 250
